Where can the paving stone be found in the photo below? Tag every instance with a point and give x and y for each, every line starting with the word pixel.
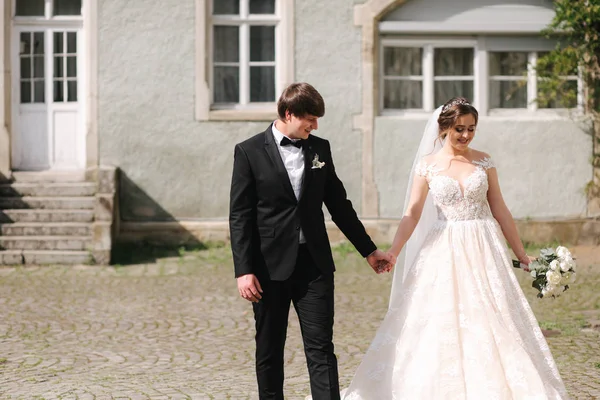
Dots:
pixel 176 329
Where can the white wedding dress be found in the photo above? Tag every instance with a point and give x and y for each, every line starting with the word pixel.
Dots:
pixel 461 327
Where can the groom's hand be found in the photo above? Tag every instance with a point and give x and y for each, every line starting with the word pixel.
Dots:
pixel 381 262
pixel 249 287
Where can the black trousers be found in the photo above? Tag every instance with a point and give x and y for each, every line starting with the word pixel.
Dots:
pixel 311 293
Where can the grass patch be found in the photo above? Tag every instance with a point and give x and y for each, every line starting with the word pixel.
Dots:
pixel 124 254
pixel 533 249
pixel 144 252
pixel 343 249
pixel 566 327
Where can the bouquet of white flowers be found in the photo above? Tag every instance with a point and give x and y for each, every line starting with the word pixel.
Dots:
pixel 552 271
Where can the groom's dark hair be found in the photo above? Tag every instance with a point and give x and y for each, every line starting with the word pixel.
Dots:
pixel 300 99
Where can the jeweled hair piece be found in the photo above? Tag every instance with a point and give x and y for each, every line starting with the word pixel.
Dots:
pixel 454 103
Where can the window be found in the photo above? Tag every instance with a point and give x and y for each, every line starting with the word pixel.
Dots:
pixel 453 73
pixel 48 50
pixel 243 52
pixel 572 84
pixel 418 75
pixel 36 67
pixel 508 79
pixel 403 77
pixel 244 57
pixel 515 84
pixel 32 65
pixel 65 67
pixel 494 72
pixel 47 8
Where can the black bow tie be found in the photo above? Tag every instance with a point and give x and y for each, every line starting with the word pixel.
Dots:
pixel 287 142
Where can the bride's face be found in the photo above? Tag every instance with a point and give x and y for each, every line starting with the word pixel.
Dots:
pixel 461 134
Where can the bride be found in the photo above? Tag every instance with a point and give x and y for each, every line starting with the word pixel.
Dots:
pixel 458 325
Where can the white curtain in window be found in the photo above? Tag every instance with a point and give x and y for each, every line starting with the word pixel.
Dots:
pixel 508 79
pixel 226 71
pixel 262 6
pixel 226 7
pixel 27 8
pixel 403 77
pixel 66 7
pixel 262 63
pixel 453 62
pixel 403 94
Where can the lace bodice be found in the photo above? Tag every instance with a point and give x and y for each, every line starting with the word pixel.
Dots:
pixel 453 202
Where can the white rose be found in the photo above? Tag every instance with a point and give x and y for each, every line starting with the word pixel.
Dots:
pixel 554 265
pixel 554 290
pixel 548 290
pixel 533 273
pixel 564 266
pixel 572 277
pixel 553 277
pixel 562 252
pixel 568 260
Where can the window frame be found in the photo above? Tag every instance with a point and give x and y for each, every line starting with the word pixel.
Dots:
pixel 282 19
pixel 481 75
pixel 428 45
pixel 243 21
pixel 48 16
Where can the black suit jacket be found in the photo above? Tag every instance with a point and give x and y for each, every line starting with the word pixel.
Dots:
pixel 265 218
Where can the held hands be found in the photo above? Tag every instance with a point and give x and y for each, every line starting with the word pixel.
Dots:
pixel 249 288
pixel 381 261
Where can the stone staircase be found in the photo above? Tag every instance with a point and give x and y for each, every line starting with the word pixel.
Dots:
pixel 55 218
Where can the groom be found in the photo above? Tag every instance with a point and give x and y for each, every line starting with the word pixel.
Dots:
pixel 281 252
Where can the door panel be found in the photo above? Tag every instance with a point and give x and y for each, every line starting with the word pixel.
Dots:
pixel 33 143
pixel 66 123
pixel 64 106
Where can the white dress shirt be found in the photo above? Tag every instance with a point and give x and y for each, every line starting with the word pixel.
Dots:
pixel 293 160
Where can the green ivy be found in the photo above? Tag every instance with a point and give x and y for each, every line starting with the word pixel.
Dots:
pixel 576 26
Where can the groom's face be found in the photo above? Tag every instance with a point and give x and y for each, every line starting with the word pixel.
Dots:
pixel 301 127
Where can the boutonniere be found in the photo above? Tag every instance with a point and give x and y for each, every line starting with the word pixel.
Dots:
pixel 316 163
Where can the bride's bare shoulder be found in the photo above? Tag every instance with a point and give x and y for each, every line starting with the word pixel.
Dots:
pixel 430 159
pixel 479 155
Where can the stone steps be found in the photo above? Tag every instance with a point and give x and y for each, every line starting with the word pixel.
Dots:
pixel 43 215
pixel 45 242
pixel 57 217
pixel 49 176
pixel 46 229
pixel 44 257
pixel 47 203
pixel 66 189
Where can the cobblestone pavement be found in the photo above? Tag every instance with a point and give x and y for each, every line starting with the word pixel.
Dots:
pixel 176 329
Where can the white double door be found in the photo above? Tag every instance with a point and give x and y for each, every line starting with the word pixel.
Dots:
pixel 47 99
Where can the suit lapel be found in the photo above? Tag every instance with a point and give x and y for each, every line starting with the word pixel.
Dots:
pixel 273 152
pixel 308 156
